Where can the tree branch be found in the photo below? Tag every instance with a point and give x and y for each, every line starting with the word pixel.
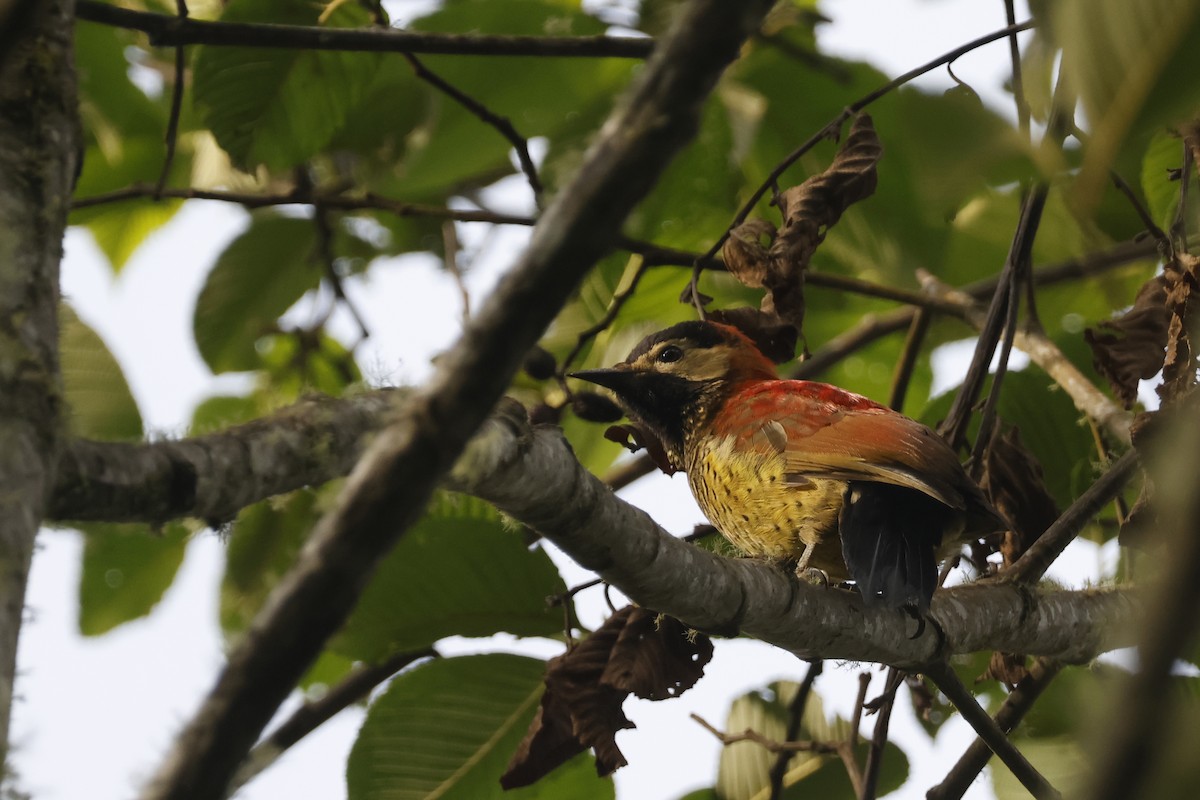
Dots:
pixel 169 31
pixel 991 733
pixel 390 486
pixel 39 135
pixel 532 475
pixel 1015 706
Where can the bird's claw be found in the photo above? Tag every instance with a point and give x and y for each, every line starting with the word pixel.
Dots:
pixel 814 576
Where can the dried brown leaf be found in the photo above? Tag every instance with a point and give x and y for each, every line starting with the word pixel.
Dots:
pixel 1132 347
pixel 1013 480
pixel 746 252
pixel 774 337
pixel 1182 277
pixel 634 437
pixel 656 657
pixel 587 685
pixel 1008 668
pixel 760 256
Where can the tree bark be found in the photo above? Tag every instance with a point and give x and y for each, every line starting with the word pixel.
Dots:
pixel 38 160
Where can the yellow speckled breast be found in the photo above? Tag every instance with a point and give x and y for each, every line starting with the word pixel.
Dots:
pixel 745 494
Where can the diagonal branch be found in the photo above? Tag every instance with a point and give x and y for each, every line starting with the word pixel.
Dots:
pixel 1015 706
pixel 395 478
pixel 169 31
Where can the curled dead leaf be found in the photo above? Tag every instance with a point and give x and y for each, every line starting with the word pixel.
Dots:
pixel 634 438
pixel 1013 480
pixel 774 337
pixel 1132 347
pixel 586 686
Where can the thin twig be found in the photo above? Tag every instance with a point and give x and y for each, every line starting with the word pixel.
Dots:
pixel 1011 712
pixel 908 358
pixel 858 781
pixel 1160 236
pixel 835 124
pixel 329 264
pixel 172 134
pixel 610 314
pixel 879 738
pixel 947 681
pixel 1034 562
pixel 770 745
pixel 795 718
pixel 351 689
pixel 1046 354
pixel 451 250
pixel 954 427
pixel 1018 82
pixel 500 123
pixel 169 31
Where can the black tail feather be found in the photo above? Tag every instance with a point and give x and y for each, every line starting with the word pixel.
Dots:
pixel 890 536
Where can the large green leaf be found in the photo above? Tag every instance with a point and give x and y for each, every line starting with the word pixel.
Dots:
pixel 119 228
pixel 110 105
pixel 458 571
pixel 1050 427
pixel 259 276
pixel 455 147
pixel 126 570
pixel 263 544
pixel 101 405
pixel 1132 65
pixel 744 772
pixel 1161 167
pixel 448 728
pixel 279 107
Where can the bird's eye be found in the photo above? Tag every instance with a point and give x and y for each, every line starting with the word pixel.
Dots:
pixel 670 354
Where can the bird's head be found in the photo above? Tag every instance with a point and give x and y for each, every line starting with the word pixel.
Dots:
pixel 676 378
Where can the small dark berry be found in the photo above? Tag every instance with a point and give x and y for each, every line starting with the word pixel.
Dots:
pixel 595 407
pixel 539 364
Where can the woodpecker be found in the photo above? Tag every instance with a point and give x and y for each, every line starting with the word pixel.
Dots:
pixel 786 468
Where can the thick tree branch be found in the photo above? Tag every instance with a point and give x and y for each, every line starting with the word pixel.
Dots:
pixel 215 476
pixel 533 476
pixel 38 160
pixel 170 31
pixel 392 483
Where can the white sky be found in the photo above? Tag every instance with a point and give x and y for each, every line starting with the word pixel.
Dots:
pixel 95 714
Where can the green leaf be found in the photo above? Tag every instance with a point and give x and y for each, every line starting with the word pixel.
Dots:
pixel 110 104
pixel 1131 65
pixel 126 570
pixel 448 728
pixel 690 205
pixel 99 401
pixel 119 228
pixel 260 275
pixel 1050 427
pixel 1163 158
pixel 279 107
pixel 220 412
pixel 1061 761
pixel 458 571
pixel 744 771
pixel 454 147
pixel 263 544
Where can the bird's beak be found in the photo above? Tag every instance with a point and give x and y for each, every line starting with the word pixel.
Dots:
pixel 620 379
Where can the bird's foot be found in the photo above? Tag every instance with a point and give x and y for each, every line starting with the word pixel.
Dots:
pixel 813 575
